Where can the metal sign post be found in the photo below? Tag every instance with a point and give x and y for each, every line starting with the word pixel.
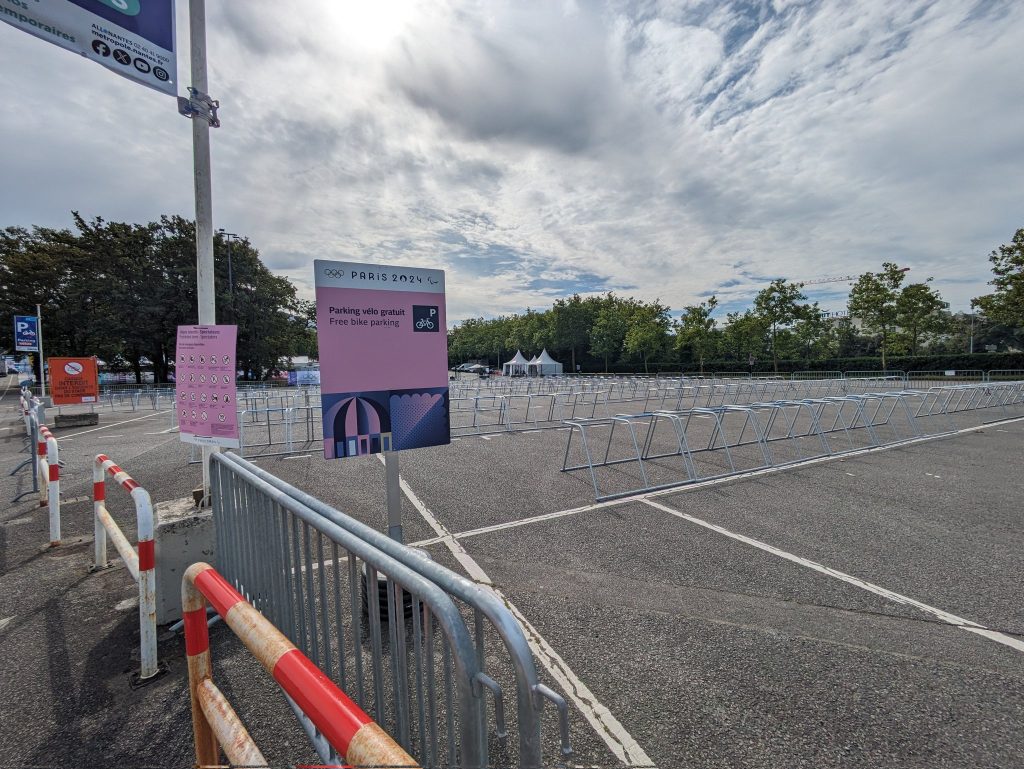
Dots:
pixel 42 360
pixel 394 495
pixel 202 110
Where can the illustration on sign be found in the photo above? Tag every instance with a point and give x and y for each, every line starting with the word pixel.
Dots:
pixel 73 380
pixel 383 358
pixel 205 389
pixel 26 333
pixel 134 38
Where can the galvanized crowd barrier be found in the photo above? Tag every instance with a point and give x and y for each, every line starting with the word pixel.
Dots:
pixel 713 441
pixel 422 649
pixel 33 413
pixel 141 564
pixel 1004 374
pixel 354 738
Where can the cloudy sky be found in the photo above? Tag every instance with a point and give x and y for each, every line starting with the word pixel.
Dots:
pixel 536 149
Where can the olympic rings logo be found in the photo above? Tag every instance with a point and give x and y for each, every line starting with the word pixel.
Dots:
pixel 334 273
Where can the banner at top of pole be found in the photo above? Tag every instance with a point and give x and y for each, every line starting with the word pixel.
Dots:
pixel 134 38
pixel 26 333
pixel 383 357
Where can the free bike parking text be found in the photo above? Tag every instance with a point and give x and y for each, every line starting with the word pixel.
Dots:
pixel 366 316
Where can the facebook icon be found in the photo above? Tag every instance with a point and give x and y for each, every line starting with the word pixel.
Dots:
pixel 26 333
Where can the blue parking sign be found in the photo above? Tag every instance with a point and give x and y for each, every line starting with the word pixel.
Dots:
pixel 26 333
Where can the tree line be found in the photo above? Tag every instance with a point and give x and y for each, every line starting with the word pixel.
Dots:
pixel 887 316
pixel 119 291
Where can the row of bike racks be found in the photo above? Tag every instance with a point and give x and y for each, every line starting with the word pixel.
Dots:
pixel 277 424
pixel 708 440
pixel 481 414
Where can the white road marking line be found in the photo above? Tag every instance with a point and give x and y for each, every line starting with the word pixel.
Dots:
pixel 6 621
pixel 608 728
pixel 690 487
pixel 301 456
pixel 851 475
pixel 488 437
pixel 950 619
pixel 116 424
pixel 127 603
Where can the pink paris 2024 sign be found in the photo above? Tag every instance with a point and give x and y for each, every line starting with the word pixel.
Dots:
pixel 383 357
pixel 204 374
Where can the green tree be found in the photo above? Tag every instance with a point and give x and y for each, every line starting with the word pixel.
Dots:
pixel 779 306
pixel 919 313
pixel 571 321
pixel 874 301
pixel 744 338
pixel 813 336
pixel 648 331
pixel 120 290
pixel 695 330
pixel 1006 304
pixel 608 334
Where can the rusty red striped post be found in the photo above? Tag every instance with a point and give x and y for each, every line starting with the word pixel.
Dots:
pixel 349 730
pixel 141 564
pixel 197 653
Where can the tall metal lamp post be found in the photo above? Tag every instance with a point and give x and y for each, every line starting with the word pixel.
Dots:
pixel 230 236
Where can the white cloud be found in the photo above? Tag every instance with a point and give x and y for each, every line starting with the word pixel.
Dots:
pixel 534 148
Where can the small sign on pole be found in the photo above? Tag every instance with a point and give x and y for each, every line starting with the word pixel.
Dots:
pixel 73 380
pixel 134 38
pixel 26 333
pixel 204 376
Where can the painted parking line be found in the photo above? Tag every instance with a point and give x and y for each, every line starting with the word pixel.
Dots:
pixel 695 486
pixel 950 619
pixel 116 424
pixel 607 727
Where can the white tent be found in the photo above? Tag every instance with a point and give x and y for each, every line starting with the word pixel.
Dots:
pixel 544 365
pixel 515 367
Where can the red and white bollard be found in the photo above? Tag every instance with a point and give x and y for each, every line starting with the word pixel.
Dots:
pixel 49 471
pixel 141 564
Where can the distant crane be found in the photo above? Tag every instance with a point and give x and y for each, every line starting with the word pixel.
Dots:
pixel 827 314
pixel 838 279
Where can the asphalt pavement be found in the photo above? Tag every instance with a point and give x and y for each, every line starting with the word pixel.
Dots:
pixel 862 611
